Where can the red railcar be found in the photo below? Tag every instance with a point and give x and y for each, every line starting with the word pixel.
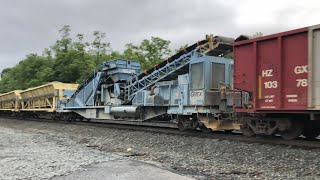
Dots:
pixel 280 73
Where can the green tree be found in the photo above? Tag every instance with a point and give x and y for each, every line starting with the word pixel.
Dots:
pixel 229 55
pixel 149 52
pixel 32 71
pixel 5 71
pixel 72 60
pixel 100 48
pixel 181 48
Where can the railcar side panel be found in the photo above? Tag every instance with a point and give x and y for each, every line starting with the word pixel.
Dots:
pixel 314 67
pixel 48 97
pixel 274 70
pixel 295 71
pixel 10 101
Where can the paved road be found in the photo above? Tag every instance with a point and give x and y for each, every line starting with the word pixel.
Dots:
pixel 123 169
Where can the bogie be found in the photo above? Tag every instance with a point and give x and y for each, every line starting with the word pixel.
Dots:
pixel 288 128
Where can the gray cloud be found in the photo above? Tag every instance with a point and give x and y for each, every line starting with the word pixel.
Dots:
pixel 30 26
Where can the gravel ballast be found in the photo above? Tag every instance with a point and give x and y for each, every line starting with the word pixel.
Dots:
pixel 198 157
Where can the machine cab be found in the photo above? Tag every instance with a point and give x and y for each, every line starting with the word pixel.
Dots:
pixel 211 80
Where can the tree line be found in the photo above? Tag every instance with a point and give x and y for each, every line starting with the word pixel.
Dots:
pixel 72 60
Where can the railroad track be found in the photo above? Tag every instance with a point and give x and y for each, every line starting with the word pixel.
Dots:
pixel 169 128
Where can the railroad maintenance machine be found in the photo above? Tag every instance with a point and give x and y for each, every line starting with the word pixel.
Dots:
pixel 193 87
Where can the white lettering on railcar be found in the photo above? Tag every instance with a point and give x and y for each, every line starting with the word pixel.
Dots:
pixel 268 107
pixel 302 82
pixel 268 100
pixel 292 95
pixel 292 100
pixel 270 84
pixel 269 96
pixel 267 73
pixel 301 69
pixel 196 94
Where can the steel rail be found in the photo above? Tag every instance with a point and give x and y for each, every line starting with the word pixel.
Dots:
pixel 169 129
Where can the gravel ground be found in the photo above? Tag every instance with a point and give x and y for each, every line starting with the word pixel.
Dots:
pixel 200 158
pixel 30 155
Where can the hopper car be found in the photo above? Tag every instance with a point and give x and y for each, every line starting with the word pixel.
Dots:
pixel 280 74
pixel 9 102
pixel 44 100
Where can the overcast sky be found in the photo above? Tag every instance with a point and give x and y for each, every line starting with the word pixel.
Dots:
pixel 29 26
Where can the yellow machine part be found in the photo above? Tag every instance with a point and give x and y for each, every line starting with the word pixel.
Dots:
pixel 44 97
pixel 10 101
pixel 214 124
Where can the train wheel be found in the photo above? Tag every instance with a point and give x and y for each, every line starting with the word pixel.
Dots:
pixel 180 124
pixel 310 133
pixel 187 123
pixel 311 129
pixel 204 129
pixel 246 130
pixel 54 117
pixel 293 132
pixel 67 117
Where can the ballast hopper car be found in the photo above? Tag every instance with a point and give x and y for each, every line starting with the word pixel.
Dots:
pixel 280 73
pixel 47 99
pixel 10 102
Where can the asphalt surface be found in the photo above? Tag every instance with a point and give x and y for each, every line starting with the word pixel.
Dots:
pixel 120 169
